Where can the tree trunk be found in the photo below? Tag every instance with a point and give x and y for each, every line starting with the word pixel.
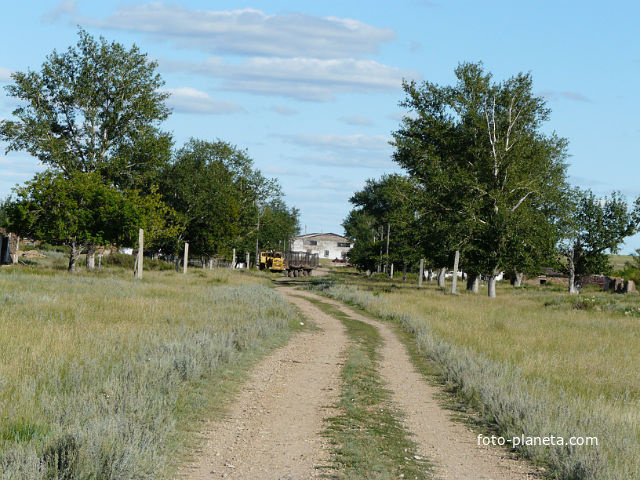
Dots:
pixel 441 275
pixel 454 279
pixel 391 272
pixel 491 281
pixel 516 279
pixel 91 257
pixel 572 275
pixel 404 272
pixel 73 257
pixel 473 280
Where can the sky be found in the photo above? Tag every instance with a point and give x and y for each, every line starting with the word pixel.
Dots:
pixel 311 89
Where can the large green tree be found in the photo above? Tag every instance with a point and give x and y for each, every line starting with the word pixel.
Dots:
pixel 594 228
pixel 76 210
pixel 384 207
pixel 217 193
pixel 94 108
pixel 485 166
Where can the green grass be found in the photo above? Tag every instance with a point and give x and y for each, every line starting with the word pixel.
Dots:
pixel 368 436
pixel 533 361
pixel 105 377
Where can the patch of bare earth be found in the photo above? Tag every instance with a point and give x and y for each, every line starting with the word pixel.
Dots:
pixel 274 428
pixel 450 445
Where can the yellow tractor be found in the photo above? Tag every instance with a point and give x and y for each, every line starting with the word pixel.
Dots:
pixel 271 260
pixel 292 264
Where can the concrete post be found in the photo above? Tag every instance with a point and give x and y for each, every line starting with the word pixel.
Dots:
pixel 140 262
pixel 454 279
pixel 186 257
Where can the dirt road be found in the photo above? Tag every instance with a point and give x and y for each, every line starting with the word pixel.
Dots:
pixel 274 428
pixel 450 445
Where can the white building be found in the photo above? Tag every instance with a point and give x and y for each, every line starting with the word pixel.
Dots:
pixel 326 245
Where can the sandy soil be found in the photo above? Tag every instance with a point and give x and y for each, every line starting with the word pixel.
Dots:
pixel 449 444
pixel 273 429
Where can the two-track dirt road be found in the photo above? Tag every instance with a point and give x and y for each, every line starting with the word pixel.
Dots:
pixel 274 428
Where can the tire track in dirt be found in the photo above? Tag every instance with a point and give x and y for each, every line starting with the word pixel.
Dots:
pixel 450 445
pixel 274 426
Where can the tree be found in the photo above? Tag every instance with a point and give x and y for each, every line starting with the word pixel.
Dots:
pixel 94 108
pixel 217 193
pixel 76 210
pixel 384 207
pixel 278 223
pixel 595 227
pixel 485 167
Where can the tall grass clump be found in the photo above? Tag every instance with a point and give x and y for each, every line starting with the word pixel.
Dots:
pixel 523 381
pixel 99 374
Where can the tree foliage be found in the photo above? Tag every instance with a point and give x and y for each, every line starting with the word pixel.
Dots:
pixel 485 168
pixel 76 210
pixel 93 108
pixel 595 228
pixel 385 205
pixel 217 192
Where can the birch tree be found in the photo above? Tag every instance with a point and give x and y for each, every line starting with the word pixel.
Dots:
pixel 486 167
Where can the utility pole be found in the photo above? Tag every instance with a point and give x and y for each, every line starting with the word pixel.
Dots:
pixel 386 266
pixel 257 249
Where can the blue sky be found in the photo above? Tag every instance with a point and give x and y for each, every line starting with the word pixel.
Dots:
pixel 311 89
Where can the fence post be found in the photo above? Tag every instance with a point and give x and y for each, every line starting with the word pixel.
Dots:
pixel 421 272
pixel 140 262
pixel 454 279
pixel 186 257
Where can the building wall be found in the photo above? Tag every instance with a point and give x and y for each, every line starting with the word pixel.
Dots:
pixel 328 246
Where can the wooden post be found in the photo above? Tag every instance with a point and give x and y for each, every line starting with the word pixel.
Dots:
pixel 233 259
pixel 186 257
pixel 454 279
pixel 140 259
pixel 248 259
pixel 391 272
pixel 421 273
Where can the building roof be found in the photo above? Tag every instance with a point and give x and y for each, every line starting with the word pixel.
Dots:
pixel 316 235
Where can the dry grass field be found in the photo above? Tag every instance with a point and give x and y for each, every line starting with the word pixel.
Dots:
pixel 102 376
pixel 534 361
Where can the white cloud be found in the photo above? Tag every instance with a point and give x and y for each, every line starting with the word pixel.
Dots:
pixel 350 160
pixel 5 74
pixel 283 110
pixel 249 31
pixel 567 95
pixel 63 8
pixel 340 142
pixel 301 78
pixel 190 100
pixel 357 120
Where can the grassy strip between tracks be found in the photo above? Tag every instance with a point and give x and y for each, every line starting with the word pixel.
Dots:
pixel 368 436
